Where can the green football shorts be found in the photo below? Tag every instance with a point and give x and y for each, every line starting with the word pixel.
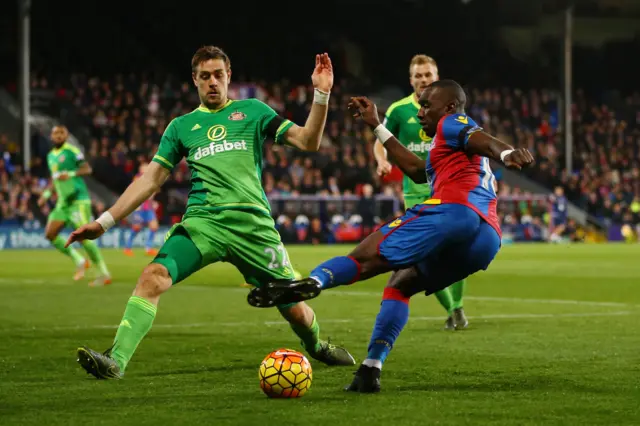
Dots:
pixel 411 200
pixel 74 215
pixel 247 240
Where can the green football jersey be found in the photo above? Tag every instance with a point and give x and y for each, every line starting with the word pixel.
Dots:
pixel 223 150
pixel 67 158
pixel 402 120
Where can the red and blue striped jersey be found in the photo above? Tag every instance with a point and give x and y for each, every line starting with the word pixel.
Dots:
pixel 457 177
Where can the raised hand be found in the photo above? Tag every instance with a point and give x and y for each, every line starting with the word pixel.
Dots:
pixel 519 159
pixel 322 77
pixel 363 108
pixel 90 231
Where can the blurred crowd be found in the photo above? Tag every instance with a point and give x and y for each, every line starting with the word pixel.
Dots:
pixel 126 116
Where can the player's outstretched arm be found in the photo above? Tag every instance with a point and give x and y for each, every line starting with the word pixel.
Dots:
pixel 135 194
pixel 308 138
pixel 380 153
pixel 482 143
pixel 410 164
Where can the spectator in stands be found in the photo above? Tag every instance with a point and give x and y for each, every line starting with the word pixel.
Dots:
pixel 127 115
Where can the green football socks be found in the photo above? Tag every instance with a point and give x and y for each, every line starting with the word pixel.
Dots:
pixel 445 299
pixel 136 323
pixel 94 254
pixel 59 243
pixel 310 336
pixel 457 291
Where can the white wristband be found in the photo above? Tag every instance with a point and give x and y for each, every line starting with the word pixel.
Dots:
pixel 320 97
pixel 382 133
pixel 505 153
pixel 106 221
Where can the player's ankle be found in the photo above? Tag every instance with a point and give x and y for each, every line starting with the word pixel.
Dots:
pixel 374 363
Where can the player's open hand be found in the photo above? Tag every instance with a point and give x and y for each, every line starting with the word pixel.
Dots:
pixel 363 108
pixel 519 159
pixel 90 231
pixel 322 77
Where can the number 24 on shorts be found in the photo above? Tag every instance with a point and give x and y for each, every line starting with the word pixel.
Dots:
pixel 283 256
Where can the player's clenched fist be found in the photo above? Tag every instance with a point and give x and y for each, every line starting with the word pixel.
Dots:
pixel 90 231
pixel 518 159
pixel 362 107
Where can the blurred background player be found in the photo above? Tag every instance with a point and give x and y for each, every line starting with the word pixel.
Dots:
pixel 558 215
pixel 145 215
pixel 73 205
pixel 401 120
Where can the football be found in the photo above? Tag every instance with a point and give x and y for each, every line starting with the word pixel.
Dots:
pixel 285 373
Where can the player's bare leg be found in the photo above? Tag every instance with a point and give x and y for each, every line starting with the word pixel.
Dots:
pixel 136 323
pixel 303 322
pixel 52 233
pixel 362 263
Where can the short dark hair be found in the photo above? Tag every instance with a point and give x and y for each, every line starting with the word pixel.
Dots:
pixel 206 53
pixel 455 91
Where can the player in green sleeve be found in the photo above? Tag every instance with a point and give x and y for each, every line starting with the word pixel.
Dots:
pixel 228 217
pixel 73 206
pixel 401 119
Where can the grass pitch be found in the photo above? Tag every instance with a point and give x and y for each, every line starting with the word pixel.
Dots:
pixel 554 338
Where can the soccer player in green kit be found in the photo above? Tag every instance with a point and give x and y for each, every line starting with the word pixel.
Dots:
pixel 73 207
pixel 401 119
pixel 228 216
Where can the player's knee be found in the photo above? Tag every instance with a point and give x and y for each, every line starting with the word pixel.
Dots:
pixel 153 281
pixel 366 254
pixel 407 281
pixel 50 235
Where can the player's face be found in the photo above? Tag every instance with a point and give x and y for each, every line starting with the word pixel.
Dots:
pixel 212 80
pixel 433 106
pixel 421 76
pixel 59 135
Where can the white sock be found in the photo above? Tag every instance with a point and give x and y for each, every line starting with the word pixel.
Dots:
pixel 316 279
pixel 375 363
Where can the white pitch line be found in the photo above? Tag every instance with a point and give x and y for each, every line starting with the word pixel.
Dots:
pixel 547 301
pixel 328 320
pixel 341 293
pixel 479 298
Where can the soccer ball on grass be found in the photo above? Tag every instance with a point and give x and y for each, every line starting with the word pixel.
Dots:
pixel 285 373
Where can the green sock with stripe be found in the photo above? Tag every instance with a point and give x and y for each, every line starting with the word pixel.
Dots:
pixel 136 323
pixel 309 336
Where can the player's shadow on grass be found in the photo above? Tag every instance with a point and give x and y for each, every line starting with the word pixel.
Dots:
pixel 203 369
